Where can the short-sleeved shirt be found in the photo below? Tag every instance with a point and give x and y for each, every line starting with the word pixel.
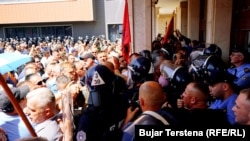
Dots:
pixel 227 106
pixel 242 74
pixel 13 126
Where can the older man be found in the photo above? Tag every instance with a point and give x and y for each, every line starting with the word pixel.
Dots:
pixel 41 109
pixel 88 60
pixel 241 68
pixel 241 108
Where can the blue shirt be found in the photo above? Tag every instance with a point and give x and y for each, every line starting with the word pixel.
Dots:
pixel 226 105
pixel 13 126
pixel 242 74
pixel 51 84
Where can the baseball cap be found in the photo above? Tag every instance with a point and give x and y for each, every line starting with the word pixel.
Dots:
pixel 87 55
pixel 242 51
pixel 221 77
pixel 239 50
pixel 74 50
pixel 19 93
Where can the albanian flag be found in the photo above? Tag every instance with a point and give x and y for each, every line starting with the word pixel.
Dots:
pixel 126 37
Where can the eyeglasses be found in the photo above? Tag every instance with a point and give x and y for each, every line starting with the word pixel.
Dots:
pixel 40 82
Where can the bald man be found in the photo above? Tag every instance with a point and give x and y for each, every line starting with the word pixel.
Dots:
pixel 151 96
pixel 195 96
pixel 151 99
pixel 194 110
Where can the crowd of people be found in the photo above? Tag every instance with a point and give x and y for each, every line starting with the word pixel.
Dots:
pixel 86 90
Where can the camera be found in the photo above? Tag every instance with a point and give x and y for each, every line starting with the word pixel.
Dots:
pixel 134 104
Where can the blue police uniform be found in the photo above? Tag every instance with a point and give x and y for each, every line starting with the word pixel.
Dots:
pixel 242 74
pixel 226 105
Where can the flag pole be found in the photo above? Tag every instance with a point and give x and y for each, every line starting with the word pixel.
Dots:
pixel 16 105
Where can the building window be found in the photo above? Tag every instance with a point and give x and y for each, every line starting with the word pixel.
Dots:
pixel 114 31
pixel 43 31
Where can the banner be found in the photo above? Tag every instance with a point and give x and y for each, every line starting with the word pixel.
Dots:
pixel 126 38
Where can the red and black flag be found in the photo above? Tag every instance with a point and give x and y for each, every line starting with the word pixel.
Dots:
pixel 126 37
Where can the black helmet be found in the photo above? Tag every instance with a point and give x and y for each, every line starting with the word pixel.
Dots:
pixel 100 81
pixel 213 49
pixel 159 55
pixel 139 68
pixel 178 76
pixel 145 53
pixel 203 66
pixel 99 75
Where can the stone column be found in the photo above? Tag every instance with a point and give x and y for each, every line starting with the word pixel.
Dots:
pixel 219 24
pixel 157 28
pixel 142 24
pixel 193 19
pixel 154 18
pixel 182 13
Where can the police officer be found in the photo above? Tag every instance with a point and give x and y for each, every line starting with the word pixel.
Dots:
pixel 240 68
pixel 177 78
pixel 138 73
pixel 204 65
pixel 105 110
pixel 213 49
pixel 222 90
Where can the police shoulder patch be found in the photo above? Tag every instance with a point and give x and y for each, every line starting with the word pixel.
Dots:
pixel 97 79
pixel 81 136
pixel 246 70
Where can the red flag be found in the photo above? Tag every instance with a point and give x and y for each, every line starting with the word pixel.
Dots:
pixel 169 29
pixel 126 38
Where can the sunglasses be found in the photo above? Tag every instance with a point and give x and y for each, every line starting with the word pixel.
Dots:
pixel 40 82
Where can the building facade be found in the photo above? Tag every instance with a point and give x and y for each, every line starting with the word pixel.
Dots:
pixel 222 22
pixel 33 18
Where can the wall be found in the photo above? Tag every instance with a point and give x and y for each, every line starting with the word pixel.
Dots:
pixel 90 28
pixel 161 23
pixel 114 14
pixel 62 11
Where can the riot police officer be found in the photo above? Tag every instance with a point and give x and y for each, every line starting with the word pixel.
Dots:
pixel 209 62
pixel 213 49
pixel 178 77
pixel 204 65
pixel 105 108
pixel 138 73
pixel 240 68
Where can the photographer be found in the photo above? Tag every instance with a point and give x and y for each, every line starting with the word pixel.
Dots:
pixel 151 98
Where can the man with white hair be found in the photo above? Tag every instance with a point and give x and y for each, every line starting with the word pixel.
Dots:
pixel 41 109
